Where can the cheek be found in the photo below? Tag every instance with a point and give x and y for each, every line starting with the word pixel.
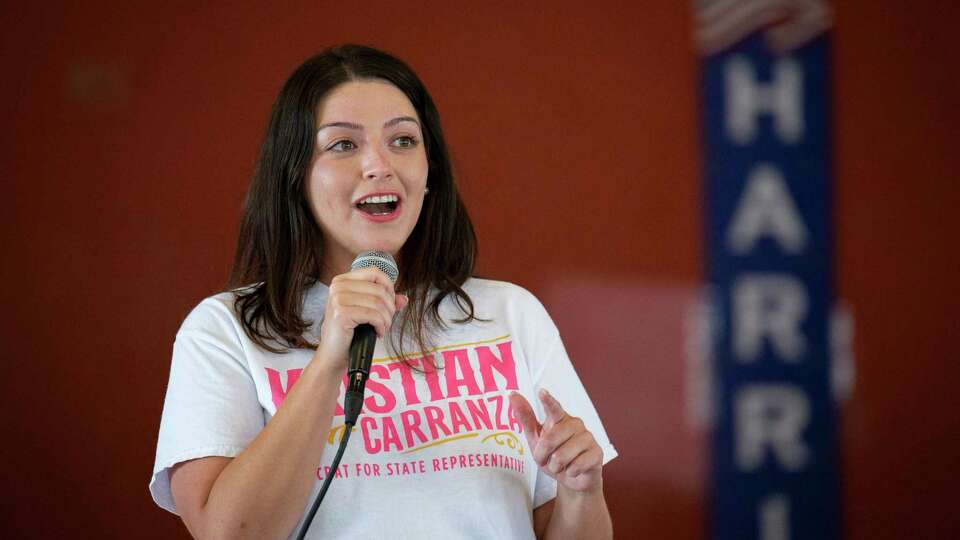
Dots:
pixel 314 194
pixel 416 171
pixel 324 190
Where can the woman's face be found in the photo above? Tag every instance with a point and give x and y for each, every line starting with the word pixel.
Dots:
pixel 366 183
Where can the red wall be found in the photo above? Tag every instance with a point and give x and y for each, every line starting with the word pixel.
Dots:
pixel 128 141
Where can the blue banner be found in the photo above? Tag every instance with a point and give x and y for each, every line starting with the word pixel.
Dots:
pixel 770 266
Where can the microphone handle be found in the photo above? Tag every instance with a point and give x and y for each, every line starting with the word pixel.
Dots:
pixel 361 354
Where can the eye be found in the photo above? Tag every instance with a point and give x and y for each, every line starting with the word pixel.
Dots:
pixel 344 145
pixel 405 141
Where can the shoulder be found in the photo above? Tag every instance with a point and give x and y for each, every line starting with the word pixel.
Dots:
pixel 214 317
pixel 502 290
pixel 494 299
pixel 221 317
pixel 499 292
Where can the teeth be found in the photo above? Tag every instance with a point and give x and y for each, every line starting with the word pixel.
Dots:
pixel 380 199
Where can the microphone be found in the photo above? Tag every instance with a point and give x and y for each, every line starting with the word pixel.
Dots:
pixel 361 354
pixel 364 339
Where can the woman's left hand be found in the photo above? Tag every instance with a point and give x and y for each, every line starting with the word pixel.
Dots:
pixel 562 446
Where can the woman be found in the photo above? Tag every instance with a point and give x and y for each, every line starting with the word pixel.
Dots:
pixel 353 160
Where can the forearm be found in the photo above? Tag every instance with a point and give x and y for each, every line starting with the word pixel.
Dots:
pixel 263 491
pixel 579 515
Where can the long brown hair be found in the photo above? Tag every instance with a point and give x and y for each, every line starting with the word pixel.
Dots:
pixel 280 246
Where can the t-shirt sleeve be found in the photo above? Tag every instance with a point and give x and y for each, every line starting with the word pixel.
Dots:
pixel 211 406
pixel 550 368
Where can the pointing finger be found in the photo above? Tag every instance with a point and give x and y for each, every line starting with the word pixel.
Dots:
pixel 555 413
pixel 528 420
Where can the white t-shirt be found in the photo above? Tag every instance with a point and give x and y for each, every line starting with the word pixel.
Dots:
pixel 433 455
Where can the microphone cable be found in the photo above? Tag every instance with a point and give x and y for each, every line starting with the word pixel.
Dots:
pixel 352 403
pixel 326 482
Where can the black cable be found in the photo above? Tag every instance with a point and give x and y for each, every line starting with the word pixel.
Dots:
pixel 347 429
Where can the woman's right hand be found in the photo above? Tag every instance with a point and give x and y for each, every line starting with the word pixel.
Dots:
pixel 362 296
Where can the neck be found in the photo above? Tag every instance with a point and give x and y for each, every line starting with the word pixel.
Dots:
pixel 334 265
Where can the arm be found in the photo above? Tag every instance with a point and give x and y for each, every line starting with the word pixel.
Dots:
pixel 263 491
pixel 565 450
pixel 573 516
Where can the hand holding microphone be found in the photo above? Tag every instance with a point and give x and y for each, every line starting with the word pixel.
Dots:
pixel 361 296
pixel 361 306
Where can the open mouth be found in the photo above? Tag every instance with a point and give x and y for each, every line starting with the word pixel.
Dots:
pixel 378 205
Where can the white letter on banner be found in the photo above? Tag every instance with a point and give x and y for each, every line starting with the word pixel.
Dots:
pixel 775 518
pixel 745 98
pixel 766 208
pixel 773 305
pixel 774 416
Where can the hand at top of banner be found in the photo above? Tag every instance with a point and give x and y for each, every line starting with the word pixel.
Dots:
pixel 562 446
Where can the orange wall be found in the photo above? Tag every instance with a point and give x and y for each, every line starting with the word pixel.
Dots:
pixel 129 137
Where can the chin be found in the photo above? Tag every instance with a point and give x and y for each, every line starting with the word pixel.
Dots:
pixel 389 241
pixel 386 246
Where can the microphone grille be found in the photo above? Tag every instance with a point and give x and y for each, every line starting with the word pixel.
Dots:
pixel 382 260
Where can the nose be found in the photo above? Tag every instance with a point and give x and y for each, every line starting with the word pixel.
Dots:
pixel 376 166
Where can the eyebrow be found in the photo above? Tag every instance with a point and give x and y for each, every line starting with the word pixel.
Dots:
pixel 351 125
